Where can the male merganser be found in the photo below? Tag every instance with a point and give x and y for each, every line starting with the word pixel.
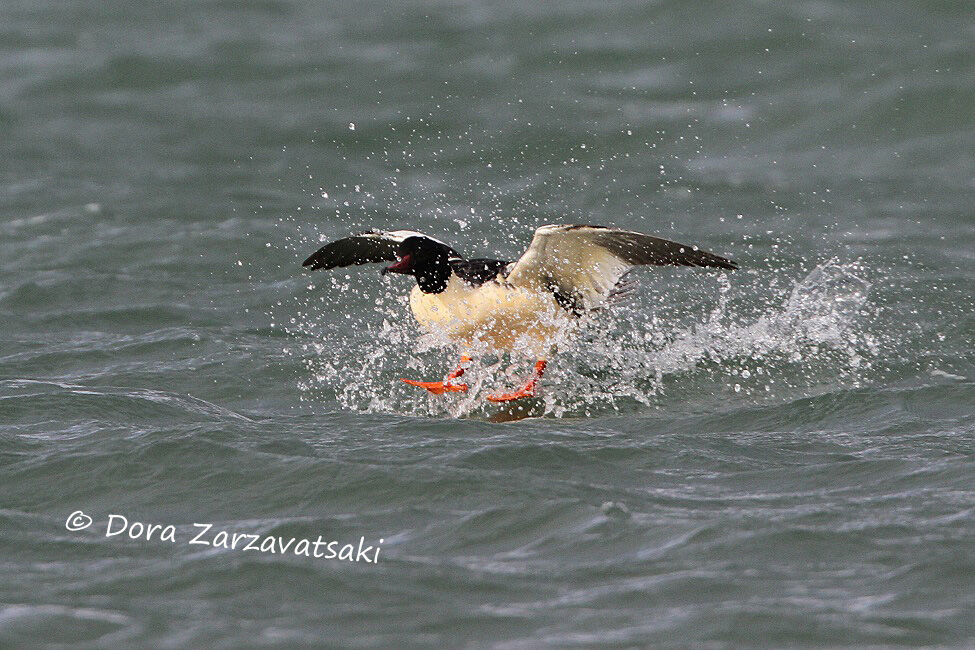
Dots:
pixel 568 271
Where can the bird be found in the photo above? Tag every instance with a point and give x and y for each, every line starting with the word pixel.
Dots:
pixel 568 272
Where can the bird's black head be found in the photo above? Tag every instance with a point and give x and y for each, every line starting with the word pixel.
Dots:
pixel 424 259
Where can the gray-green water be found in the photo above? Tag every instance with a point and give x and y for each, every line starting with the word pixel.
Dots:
pixel 780 456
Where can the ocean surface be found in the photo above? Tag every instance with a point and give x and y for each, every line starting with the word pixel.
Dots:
pixel 779 456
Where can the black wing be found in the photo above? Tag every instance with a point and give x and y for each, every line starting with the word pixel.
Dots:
pixel 637 249
pixel 364 248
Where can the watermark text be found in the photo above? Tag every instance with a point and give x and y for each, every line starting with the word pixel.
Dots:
pixel 207 535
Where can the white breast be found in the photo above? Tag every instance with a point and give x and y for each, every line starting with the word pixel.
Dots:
pixel 499 315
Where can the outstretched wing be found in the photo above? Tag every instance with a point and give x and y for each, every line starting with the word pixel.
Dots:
pixel 581 264
pixel 365 248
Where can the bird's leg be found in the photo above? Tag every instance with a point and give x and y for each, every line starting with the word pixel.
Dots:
pixel 447 385
pixel 528 390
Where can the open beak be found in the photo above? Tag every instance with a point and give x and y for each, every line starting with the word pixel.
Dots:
pixel 402 266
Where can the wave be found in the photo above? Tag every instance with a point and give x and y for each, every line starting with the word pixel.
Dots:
pixel 23 397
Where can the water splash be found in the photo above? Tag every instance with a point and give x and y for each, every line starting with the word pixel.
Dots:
pixel 745 341
pixel 819 331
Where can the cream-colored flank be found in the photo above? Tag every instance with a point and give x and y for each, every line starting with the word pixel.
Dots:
pixel 497 314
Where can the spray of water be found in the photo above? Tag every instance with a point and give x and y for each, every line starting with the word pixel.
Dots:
pixel 734 338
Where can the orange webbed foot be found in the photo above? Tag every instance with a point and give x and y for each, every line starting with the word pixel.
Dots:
pixel 447 385
pixel 528 390
pixel 437 387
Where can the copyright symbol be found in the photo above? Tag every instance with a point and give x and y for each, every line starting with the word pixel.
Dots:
pixel 77 520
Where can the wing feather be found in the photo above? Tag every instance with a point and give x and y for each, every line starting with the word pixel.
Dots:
pixel 584 263
pixel 364 248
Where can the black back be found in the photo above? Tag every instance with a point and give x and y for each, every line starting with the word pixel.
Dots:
pixel 478 271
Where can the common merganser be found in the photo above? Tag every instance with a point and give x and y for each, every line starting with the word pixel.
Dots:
pixel 568 271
